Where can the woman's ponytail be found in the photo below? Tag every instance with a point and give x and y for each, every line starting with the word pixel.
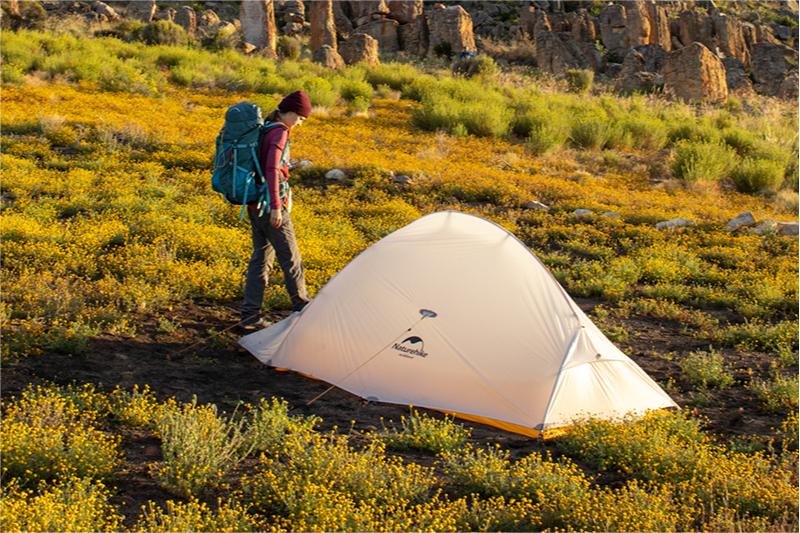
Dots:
pixel 274 116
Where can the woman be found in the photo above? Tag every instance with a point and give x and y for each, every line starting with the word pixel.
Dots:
pixel 272 230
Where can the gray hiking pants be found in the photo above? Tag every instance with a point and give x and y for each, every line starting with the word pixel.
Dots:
pixel 268 243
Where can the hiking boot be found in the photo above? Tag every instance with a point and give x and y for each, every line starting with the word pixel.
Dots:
pixel 250 327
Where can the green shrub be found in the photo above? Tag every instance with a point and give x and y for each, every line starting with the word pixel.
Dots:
pixel 420 431
pixel 590 132
pixel 646 133
pixel 702 161
pixel 289 47
pixel 320 92
pixel 396 75
pixel 777 395
pixel 164 32
pixel 199 448
pixel 758 176
pixel 579 80
pixel 270 422
pixel 352 90
pixel 477 66
pixel 706 369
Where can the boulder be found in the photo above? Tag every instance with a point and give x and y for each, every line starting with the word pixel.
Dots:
pixel 788 228
pixel 451 25
pixel 360 47
pixel 186 18
pixel 11 8
pixel 527 19
pixel 611 214
pixel 405 11
pixel 535 206
pixel 789 87
pixel 166 14
pixel 335 175
pixel 640 69
pixel 637 24
pixel 735 75
pixel 765 228
pixel 613 32
pixel 770 65
pixel 695 27
pixel 366 8
pixel 694 74
pixel 384 31
pixel 659 25
pixel 328 57
pixel 582 26
pixel 582 212
pixel 104 10
pixel 675 223
pixel 344 26
pixel 413 37
pixel 730 37
pixel 741 221
pixel 402 179
pixel 143 10
pixel 258 25
pixel 208 24
pixel 323 28
pixel 557 52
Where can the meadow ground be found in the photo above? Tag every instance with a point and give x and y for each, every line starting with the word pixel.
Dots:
pixel 117 258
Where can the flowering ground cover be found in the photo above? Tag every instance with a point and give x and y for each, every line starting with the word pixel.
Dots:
pixel 118 258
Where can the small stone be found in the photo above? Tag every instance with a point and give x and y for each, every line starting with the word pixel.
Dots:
pixel 743 220
pixel 675 223
pixel 402 179
pixel 768 226
pixel 611 214
pixel 107 11
pixel 305 163
pixel 582 212
pixel 536 206
pixel 335 175
pixel 248 48
pixel 787 228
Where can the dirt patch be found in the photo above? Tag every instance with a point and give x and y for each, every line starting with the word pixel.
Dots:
pixel 216 370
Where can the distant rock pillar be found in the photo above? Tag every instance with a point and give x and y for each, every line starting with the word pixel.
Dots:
pixel 258 25
pixel 323 28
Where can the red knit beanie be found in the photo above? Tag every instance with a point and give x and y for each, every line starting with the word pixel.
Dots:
pixel 298 102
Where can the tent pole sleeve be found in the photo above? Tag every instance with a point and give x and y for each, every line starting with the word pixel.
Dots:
pixel 557 383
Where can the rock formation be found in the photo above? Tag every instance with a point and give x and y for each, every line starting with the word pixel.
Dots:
pixel 143 10
pixel 187 19
pixel 323 29
pixel 695 74
pixel 384 31
pixel 360 47
pixel 326 56
pixel 450 25
pixel 258 25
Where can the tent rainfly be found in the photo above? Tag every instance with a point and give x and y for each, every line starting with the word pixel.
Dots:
pixel 454 313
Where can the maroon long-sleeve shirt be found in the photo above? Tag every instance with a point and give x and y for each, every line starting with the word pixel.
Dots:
pixel 270 151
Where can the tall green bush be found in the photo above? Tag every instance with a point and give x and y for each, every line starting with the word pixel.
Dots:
pixel 702 161
pixel 758 176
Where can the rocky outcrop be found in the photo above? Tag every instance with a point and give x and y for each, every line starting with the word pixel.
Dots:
pixel 641 69
pixel 107 12
pixel 694 74
pixel 326 56
pixel 10 8
pixel 405 11
pixel 695 26
pixel 771 65
pixel 659 25
pixel 186 18
pixel 363 10
pixel 581 26
pixel 258 25
pixel 557 51
pixel 323 29
pixel 730 37
pixel 613 30
pixel 208 24
pixel 143 10
pixel 451 25
pixel 736 76
pixel 413 37
pixel 291 16
pixel 344 26
pixel 384 31
pixel 360 47
pixel 165 14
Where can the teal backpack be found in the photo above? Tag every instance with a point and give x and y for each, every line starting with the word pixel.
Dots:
pixel 237 172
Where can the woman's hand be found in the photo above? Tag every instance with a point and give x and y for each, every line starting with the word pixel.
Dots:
pixel 276 218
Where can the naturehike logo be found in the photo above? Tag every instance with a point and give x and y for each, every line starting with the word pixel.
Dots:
pixel 410 347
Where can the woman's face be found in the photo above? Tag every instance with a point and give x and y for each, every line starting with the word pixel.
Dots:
pixel 292 119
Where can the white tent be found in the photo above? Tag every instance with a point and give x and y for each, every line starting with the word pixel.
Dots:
pixel 452 312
